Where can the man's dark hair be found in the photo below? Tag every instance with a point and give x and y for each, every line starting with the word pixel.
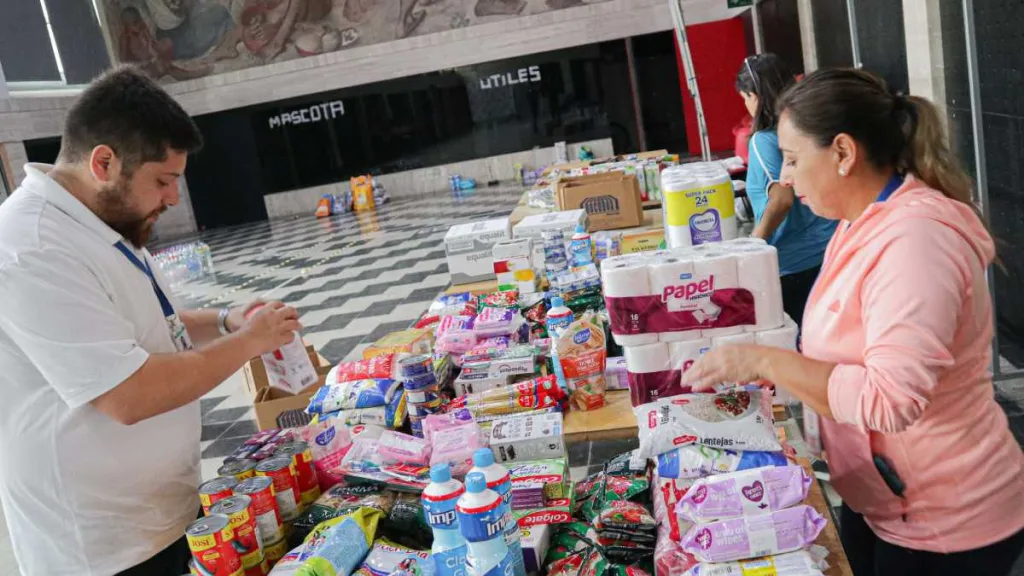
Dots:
pixel 126 110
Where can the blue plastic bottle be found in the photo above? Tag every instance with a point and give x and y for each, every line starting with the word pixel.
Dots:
pixel 482 518
pixel 439 500
pixel 499 480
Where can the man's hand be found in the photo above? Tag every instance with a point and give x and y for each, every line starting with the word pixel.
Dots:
pixel 270 327
pixel 236 317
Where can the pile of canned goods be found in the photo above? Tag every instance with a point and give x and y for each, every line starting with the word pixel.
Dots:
pixel 249 510
pixel 422 391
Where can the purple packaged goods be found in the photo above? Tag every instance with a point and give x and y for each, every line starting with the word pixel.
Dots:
pixel 754 536
pixel 745 493
pixel 799 563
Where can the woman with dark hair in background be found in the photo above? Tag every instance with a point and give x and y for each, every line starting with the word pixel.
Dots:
pixel 896 338
pixel 791 227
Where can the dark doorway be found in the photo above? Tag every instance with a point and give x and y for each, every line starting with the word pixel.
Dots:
pixel 43 150
pixel 660 99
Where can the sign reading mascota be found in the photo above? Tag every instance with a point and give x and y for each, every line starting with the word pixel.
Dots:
pixel 308 114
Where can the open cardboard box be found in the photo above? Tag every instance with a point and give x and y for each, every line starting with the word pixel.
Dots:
pixel 255 373
pixel 611 199
pixel 271 402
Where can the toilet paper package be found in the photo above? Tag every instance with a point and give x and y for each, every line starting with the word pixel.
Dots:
pixel 785 338
pixel 705 291
pixel 654 371
pixel 698 203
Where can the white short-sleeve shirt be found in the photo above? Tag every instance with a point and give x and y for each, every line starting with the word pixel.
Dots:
pixel 83 494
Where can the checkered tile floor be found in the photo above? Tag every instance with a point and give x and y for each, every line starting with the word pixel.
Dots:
pixel 354 278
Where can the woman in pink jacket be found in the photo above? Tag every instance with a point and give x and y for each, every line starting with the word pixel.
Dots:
pixel 896 337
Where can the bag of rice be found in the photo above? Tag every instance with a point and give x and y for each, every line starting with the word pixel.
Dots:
pixel 334 547
pixel 737 420
pixel 367 393
pixel 754 536
pixel 745 493
pixel 695 461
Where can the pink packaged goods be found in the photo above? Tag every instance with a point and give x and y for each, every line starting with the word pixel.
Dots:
pixel 754 536
pixel 402 448
pixel 745 493
pixel 738 420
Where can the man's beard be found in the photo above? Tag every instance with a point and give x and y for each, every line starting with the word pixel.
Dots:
pixel 116 211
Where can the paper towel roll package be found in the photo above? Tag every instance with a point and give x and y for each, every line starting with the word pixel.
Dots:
pixel 651 373
pixel 698 203
pixel 710 290
pixel 786 338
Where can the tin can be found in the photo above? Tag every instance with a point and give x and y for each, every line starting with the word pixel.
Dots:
pixel 281 471
pixel 275 551
pixel 420 381
pixel 238 509
pixel 264 507
pixel 211 541
pixel 416 425
pixel 215 490
pixel 302 459
pixel 239 469
pixel 416 365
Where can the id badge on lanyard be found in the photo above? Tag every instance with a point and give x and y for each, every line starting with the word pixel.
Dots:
pixel 175 325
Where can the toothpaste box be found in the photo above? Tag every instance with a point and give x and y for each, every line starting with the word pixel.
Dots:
pixel 549 475
pixel 469 249
pixel 533 227
pixel 555 512
pixel 535 541
pixel 526 438
pixel 476 383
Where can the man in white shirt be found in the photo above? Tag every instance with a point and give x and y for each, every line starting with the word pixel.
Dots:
pixel 99 379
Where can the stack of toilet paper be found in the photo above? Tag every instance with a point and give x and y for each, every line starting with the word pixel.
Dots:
pixel 654 370
pixel 691 293
pixel 699 204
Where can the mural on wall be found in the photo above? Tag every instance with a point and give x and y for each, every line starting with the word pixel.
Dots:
pixel 186 39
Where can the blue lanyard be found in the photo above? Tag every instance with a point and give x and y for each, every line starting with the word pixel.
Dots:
pixel 894 183
pixel 165 304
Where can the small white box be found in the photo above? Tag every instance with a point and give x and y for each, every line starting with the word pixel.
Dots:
pixel 469 247
pixel 535 542
pixel 533 227
pixel 477 383
pixel 523 438
pixel 513 265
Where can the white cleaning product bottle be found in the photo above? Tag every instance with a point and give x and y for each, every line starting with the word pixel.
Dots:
pixel 499 480
pixel 482 518
pixel 439 499
pixel 557 321
pixel 581 248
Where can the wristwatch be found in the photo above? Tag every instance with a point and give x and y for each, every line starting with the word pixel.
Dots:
pixel 222 321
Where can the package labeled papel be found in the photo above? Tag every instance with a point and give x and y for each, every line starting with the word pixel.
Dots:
pixel 705 291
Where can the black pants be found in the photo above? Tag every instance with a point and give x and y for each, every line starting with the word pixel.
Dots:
pixel 871 556
pixel 795 290
pixel 171 561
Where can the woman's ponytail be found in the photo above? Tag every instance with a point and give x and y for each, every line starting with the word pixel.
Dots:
pixel 926 152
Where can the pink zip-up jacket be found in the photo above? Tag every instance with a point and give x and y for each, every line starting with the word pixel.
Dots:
pixel 902 306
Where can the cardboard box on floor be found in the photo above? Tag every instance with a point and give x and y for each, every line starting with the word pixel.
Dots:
pixel 268 402
pixel 255 373
pixel 611 199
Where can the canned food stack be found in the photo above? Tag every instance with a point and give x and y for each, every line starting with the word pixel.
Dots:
pixel 421 388
pixel 556 259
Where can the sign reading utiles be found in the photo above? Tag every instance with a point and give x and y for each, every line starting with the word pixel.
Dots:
pixel 309 114
pixel 520 76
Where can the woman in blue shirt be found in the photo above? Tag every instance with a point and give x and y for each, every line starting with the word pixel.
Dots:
pixel 780 219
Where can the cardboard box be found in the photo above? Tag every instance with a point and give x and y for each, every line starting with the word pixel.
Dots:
pixel 533 227
pixel 469 246
pixel 411 341
pixel 641 240
pixel 556 512
pixel 271 402
pixel 513 265
pixel 612 199
pixel 478 383
pixel 255 373
pixel 535 437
